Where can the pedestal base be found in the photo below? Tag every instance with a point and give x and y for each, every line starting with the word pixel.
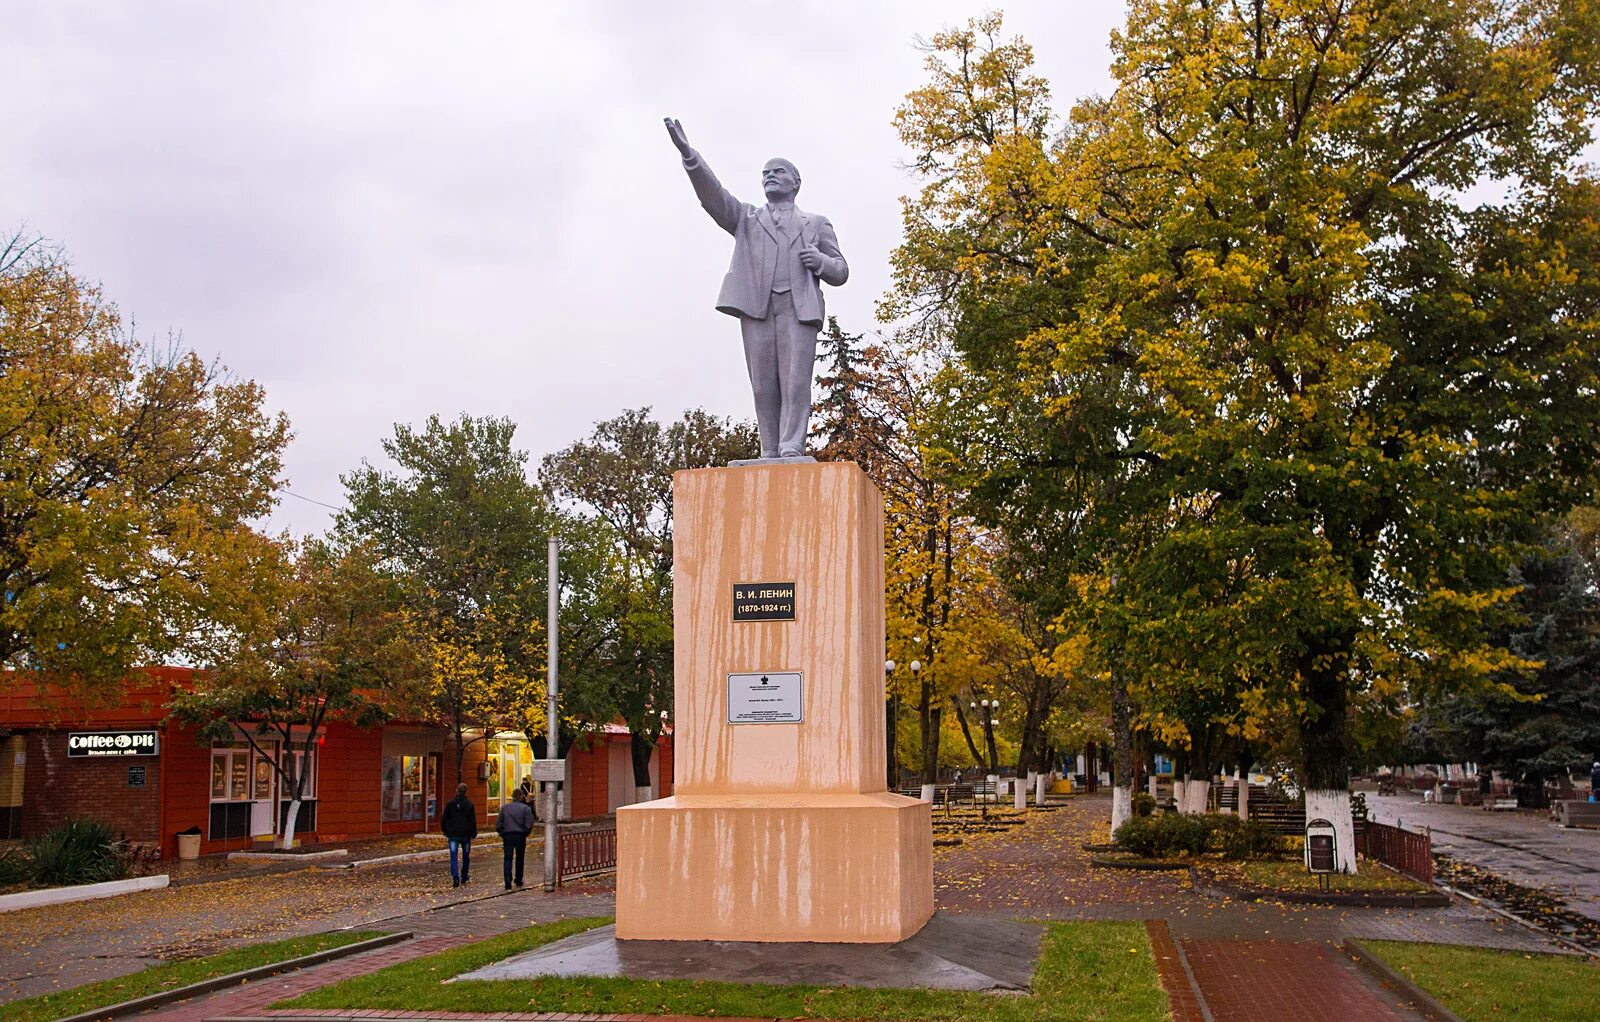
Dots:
pixel 854 868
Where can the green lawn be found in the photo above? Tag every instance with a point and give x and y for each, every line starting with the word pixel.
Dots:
pixel 1481 985
pixel 1292 876
pixel 170 975
pixel 1102 971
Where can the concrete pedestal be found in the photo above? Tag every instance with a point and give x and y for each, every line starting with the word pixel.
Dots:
pixel 777 831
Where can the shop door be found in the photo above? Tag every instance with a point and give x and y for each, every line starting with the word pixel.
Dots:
pixel 430 787
pixel 263 795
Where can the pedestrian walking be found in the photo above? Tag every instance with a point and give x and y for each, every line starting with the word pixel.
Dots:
pixel 460 825
pixel 513 825
pixel 1594 780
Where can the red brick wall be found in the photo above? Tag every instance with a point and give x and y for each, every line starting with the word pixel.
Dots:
pixel 591 780
pixel 188 780
pixel 57 789
pixel 664 765
pixel 350 782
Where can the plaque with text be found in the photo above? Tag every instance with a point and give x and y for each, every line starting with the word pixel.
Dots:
pixel 549 770
pixel 765 697
pixel 763 601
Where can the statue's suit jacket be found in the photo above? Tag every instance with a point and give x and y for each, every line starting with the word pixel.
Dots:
pixel 747 287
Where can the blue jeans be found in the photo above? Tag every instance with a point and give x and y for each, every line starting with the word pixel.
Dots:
pixel 465 848
pixel 516 846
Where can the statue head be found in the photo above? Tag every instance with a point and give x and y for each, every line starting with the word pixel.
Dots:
pixel 780 180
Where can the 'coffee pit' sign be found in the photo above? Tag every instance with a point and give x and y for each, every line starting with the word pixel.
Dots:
pixel 85 744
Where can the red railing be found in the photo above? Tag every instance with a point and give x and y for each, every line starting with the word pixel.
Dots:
pixel 1407 851
pixel 583 852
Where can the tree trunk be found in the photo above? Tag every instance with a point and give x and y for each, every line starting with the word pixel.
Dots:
pixel 641 748
pixel 1122 754
pixel 930 746
pixel 891 742
pixel 1324 743
pixel 966 732
pixel 286 839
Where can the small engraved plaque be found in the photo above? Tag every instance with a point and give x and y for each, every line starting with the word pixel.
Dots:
pixel 766 697
pixel 763 601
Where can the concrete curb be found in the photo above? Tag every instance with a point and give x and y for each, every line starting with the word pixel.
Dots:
pixel 1144 865
pixel 81 892
pixel 1211 887
pixel 437 853
pixel 207 986
pixel 1396 980
pixel 332 853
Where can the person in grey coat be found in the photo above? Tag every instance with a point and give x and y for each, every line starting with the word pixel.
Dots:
pixel 781 255
pixel 513 825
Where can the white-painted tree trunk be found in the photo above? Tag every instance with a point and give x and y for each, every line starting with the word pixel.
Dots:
pixel 643 793
pixel 286 839
pixel 1334 806
pixel 1195 794
pixel 1041 786
pixel 1153 783
pixel 994 786
pixel 927 793
pixel 1244 797
pixel 1121 806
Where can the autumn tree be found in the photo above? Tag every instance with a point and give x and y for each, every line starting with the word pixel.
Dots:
pixel 333 642
pixel 129 475
pixel 622 474
pixel 465 529
pixel 1239 320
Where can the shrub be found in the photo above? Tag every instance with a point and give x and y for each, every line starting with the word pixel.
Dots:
pixel 78 852
pixel 1175 834
pixel 15 868
pixel 1159 837
pixel 1144 803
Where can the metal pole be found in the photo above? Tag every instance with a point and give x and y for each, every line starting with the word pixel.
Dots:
pixel 552 747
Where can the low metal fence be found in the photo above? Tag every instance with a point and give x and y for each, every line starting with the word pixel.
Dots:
pixel 585 852
pixel 1407 851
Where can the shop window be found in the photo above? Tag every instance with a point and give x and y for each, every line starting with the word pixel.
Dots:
pixel 510 761
pixel 244 787
pixel 402 788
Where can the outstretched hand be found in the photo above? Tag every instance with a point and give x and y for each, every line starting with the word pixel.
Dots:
pixel 675 132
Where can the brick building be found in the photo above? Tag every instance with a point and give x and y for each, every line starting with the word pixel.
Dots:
pixel 126 765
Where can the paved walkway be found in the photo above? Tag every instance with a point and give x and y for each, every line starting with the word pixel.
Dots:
pixel 45 949
pixel 1523 846
pixel 1219 960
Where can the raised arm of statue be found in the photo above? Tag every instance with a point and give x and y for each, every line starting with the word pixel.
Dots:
pixel 715 199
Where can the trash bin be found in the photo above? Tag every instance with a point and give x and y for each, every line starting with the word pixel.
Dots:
pixel 189 845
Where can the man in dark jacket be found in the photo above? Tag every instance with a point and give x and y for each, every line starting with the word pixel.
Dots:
pixel 513 825
pixel 1594 781
pixel 460 825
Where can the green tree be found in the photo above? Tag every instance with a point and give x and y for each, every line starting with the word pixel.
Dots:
pixel 1540 724
pixel 333 643
pixel 128 479
pixel 1237 326
pixel 466 531
pixel 622 474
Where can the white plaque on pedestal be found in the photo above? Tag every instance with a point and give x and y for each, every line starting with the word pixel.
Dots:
pixel 765 697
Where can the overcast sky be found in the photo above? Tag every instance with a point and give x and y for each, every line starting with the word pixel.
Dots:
pixel 385 210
